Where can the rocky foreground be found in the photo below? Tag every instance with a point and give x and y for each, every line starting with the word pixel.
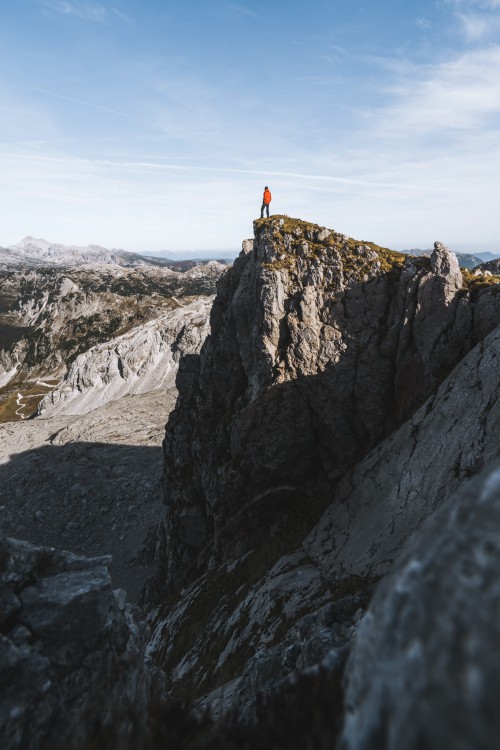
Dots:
pixel 325 568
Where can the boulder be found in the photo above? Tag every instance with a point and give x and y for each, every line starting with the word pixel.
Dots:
pixel 425 666
pixel 71 654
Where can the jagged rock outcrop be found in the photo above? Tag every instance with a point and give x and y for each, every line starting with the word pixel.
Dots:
pixel 491 266
pixel 425 666
pixel 71 654
pixel 319 347
pixel 274 613
pixel 285 597
pixel 465 260
pixel 143 359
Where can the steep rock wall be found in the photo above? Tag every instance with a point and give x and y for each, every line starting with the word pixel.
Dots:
pixel 319 347
pixel 272 613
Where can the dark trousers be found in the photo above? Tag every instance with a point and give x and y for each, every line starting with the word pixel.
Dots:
pixel 264 206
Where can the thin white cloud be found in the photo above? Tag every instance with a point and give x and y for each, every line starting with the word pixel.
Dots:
pixel 243 10
pixel 85 11
pixel 476 27
pixel 461 94
pixel 479 20
pixel 54 162
pixel 121 15
pixel 483 4
pixel 424 23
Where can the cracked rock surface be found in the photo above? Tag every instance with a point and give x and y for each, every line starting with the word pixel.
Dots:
pixel 402 481
pixel 49 315
pixel 71 653
pixel 320 346
pixel 256 609
pixel 259 619
pixel 425 666
pixel 144 359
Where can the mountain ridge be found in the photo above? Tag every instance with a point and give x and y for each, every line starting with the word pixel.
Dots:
pixel 35 252
pixel 343 394
pixel 332 344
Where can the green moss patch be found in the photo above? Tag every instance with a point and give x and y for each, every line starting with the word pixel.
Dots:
pixel 475 284
pixel 296 239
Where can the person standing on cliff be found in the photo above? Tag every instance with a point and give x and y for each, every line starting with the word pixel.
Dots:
pixel 266 200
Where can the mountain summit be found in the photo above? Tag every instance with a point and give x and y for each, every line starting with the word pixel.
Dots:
pixel 320 346
pixel 324 569
pixel 285 496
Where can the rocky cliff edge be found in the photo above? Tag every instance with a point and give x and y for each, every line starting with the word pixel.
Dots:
pixel 288 492
pixel 320 346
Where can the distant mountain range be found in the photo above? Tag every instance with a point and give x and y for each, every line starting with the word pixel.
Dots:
pixel 33 252
pixel 465 260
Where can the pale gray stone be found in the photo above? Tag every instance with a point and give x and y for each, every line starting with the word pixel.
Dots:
pixel 425 668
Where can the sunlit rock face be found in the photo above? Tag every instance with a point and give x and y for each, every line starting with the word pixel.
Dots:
pixel 301 436
pixel 319 347
pixel 50 315
pixel 144 359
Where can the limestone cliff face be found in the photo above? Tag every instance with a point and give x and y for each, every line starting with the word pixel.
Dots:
pixel 320 346
pixel 50 315
pixel 144 359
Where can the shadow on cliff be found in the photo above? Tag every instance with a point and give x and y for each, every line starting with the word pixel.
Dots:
pixel 244 427
pixel 89 498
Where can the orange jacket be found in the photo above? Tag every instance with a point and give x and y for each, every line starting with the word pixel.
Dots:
pixel 267 197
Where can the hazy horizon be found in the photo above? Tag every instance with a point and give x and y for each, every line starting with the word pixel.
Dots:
pixel 222 253
pixel 157 125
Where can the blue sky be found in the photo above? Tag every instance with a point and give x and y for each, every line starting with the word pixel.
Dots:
pixel 155 125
